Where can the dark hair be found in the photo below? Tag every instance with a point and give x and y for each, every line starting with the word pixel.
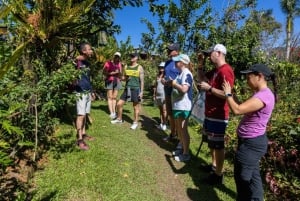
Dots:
pixel 82 47
pixel 272 77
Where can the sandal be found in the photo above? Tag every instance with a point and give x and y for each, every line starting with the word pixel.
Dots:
pixel 87 137
pixel 82 145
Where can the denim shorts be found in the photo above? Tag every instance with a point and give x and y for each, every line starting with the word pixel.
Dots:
pixel 131 95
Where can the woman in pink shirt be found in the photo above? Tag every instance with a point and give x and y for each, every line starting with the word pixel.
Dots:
pixel 252 138
pixel 112 70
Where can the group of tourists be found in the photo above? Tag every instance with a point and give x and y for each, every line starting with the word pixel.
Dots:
pixel 173 94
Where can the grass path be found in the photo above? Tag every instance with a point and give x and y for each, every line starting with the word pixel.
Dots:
pixel 125 165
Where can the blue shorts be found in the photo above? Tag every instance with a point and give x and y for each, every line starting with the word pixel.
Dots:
pixel 214 130
pixel 181 113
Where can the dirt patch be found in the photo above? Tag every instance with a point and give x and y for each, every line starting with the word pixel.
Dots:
pixel 14 181
pixel 168 174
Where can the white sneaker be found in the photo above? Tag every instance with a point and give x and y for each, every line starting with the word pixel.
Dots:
pixel 134 125
pixel 116 121
pixel 163 127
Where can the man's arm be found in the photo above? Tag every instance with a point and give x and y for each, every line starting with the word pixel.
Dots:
pixel 141 70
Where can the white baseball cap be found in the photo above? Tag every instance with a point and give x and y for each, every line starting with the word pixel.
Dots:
pixel 117 54
pixel 218 48
pixel 162 64
pixel 183 58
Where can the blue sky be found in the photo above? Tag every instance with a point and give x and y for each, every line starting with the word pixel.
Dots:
pixel 129 18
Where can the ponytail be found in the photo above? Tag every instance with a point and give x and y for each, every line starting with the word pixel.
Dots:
pixel 275 89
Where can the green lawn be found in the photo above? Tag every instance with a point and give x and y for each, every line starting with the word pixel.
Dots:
pixel 125 165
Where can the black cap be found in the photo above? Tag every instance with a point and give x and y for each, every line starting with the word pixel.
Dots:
pixel 259 68
pixel 134 54
pixel 173 46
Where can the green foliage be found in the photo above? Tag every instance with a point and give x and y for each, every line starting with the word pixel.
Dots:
pixel 184 22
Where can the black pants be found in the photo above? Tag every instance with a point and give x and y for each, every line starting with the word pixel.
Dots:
pixel 246 168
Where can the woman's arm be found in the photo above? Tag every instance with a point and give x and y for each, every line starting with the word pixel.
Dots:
pixel 251 105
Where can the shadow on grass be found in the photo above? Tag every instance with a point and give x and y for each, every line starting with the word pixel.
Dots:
pixel 204 192
pixel 155 134
pixel 49 196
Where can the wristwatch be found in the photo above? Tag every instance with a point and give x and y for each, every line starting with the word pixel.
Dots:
pixel 228 95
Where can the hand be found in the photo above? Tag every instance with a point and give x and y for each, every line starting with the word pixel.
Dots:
pixel 204 86
pixel 141 95
pixel 201 58
pixel 226 87
pixel 93 96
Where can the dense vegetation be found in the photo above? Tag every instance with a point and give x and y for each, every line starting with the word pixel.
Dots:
pixel 39 45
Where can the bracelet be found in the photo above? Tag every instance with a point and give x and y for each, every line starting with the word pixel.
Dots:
pixel 210 89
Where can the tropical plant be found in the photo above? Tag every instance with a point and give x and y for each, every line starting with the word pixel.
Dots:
pixel 292 10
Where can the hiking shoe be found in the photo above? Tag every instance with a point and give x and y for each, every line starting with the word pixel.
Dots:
pixel 87 137
pixel 134 125
pixel 177 152
pixel 82 145
pixel 208 168
pixel 116 121
pixel 182 158
pixel 214 179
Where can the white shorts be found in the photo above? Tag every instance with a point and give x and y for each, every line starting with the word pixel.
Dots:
pixel 83 103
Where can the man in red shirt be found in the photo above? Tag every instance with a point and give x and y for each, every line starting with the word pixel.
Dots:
pixel 216 107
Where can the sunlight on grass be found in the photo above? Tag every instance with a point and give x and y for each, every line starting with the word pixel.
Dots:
pixel 123 164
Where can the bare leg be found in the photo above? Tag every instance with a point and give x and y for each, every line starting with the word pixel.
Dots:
pixel 185 137
pixel 80 126
pixel 120 108
pixel 136 107
pixel 169 113
pixel 110 101
pixel 219 156
pixel 114 100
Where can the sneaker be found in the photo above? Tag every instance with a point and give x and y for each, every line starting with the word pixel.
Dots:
pixel 134 125
pixel 113 116
pixel 182 157
pixel 177 152
pixel 208 168
pixel 214 179
pixel 82 145
pixel 116 121
pixel 163 127
pixel 87 137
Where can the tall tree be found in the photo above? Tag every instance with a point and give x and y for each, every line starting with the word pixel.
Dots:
pixel 292 10
pixel 181 21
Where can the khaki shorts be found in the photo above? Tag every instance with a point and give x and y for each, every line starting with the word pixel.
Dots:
pixel 83 103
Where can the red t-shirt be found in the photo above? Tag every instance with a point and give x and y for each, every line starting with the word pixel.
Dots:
pixel 110 66
pixel 215 107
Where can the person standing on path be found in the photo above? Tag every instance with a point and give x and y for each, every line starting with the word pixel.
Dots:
pixel 171 73
pixel 216 108
pixel 159 96
pixel 134 76
pixel 83 90
pixel 251 132
pixel 182 97
pixel 112 70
